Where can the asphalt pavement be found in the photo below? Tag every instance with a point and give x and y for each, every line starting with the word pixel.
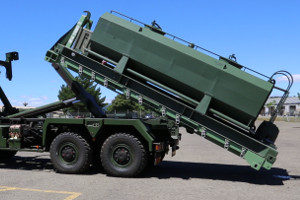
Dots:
pixel 200 170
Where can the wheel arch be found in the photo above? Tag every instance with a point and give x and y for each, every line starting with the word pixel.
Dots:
pixel 59 127
pixel 107 127
pixel 134 127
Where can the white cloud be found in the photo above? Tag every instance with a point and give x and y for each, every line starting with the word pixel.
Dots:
pixel 296 78
pixel 32 101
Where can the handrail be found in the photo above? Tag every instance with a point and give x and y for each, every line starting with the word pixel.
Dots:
pixel 189 44
pixel 286 92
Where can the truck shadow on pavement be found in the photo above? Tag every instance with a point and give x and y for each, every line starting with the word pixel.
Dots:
pixel 233 173
pixel 173 169
pixel 28 163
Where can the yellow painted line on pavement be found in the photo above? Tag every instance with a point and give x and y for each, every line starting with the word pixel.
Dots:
pixel 6 189
pixel 72 195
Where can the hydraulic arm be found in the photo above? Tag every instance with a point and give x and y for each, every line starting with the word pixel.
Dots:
pixel 8 109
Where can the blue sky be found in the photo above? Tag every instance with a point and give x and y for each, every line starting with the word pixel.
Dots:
pixel 264 35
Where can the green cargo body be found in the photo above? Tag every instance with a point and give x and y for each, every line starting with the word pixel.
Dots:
pixel 211 84
pixel 212 98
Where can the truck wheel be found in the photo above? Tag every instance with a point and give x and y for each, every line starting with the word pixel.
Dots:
pixel 123 155
pixel 5 155
pixel 70 153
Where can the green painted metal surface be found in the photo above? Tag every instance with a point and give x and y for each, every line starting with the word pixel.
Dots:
pixel 42 109
pixel 137 124
pixel 239 143
pixel 195 83
pixel 233 92
pixel 57 121
pixel 3 132
pixel 94 125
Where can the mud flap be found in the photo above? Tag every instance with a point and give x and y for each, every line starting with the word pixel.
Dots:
pixel 267 132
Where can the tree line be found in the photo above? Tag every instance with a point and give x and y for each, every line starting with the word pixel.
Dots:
pixel 120 103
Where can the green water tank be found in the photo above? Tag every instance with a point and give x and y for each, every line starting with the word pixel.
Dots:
pixel 216 85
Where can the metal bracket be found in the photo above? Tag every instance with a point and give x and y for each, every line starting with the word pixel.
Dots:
pixel 177 120
pixel 203 133
pixel 163 111
pixel 62 61
pixel 226 144
pixel 140 100
pixel 105 82
pixel 93 77
pixel 80 70
pixel 127 94
pixel 243 152
pixel 232 57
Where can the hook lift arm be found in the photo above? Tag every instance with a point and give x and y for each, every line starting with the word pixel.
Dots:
pixel 7 64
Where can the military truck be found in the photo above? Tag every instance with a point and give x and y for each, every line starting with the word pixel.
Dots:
pixel 210 95
pixel 124 147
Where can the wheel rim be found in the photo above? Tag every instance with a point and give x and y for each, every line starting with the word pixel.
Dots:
pixel 68 153
pixel 121 155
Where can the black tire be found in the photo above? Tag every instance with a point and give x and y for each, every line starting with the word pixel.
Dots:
pixel 70 153
pixel 123 155
pixel 5 155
